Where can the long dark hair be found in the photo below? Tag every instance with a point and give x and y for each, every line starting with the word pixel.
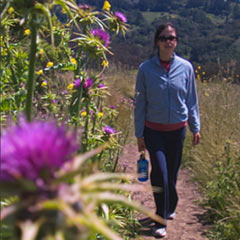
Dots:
pixel 159 29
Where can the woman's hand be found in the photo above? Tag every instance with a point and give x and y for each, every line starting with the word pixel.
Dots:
pixel 196 138
pixel 141 144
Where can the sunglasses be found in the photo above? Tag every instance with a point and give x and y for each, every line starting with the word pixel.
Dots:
pixel 164 39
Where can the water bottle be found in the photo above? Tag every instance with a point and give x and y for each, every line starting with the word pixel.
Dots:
pixel 142 168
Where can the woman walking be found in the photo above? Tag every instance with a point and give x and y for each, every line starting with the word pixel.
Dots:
pixel 166 100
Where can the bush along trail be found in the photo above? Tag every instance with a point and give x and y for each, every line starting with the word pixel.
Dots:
pixel 187 224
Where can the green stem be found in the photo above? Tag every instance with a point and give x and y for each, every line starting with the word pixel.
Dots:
pixel 100 156
pixel 116 161
pixel 94 122
pixel 31 72
pixel 86 128
pixel 77 71
pixel 80 91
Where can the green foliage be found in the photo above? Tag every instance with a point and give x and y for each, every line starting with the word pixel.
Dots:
pixel 221 198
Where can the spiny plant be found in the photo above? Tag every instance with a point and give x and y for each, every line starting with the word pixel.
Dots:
pixel 56 199
pixel 46 71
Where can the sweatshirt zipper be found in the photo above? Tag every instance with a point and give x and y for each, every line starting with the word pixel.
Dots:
pixel 169 99
pixel 168 87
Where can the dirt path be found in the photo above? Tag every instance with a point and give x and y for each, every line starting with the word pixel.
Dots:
pixel 186 225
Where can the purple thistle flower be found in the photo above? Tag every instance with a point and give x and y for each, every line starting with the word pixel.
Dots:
pixel 112 107
pixel 101 85
pixel 123 100
pixel 109 130
pixel 132 102
pixel 54 101
pixel 121 16
pixel 102 35
pixel 84 7
pixel 64 92
pixel 88 83
pixel 124 164
pixel 32 148
pixel 77 83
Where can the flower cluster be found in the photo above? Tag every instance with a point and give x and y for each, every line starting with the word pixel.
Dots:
pixel 121 17
pixel 102 35
pixel 77 83
pixel 84 7
pixel 87 84
pixel 101 85
pixel 106 6
pixel 32 148
pixel 109 130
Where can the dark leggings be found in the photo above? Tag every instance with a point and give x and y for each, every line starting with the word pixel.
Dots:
pixel 165 150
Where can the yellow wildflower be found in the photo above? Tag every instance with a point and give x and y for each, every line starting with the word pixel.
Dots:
pixel 106 6
pixel 10 10
pixel 41 51
pixel 44 84
pixel 105 63
pixel 84 113
pixel 2 44
pixel 73 60
pixel 199 67
pixel 4 52
pixel 70 86
pixel 196 71
pixel 203 73
pixel 49 64
pixel 63 10
pixel 27 32
pixel 40 72
pixel 206 94
pixel 198 76
pixel 100 114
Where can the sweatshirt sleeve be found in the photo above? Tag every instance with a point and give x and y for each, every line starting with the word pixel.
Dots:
pixel 192 104
pixel 140 104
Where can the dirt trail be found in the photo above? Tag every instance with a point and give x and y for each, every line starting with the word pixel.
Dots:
pixel 186 225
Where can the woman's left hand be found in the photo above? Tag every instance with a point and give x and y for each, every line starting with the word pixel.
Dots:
pixel 196 138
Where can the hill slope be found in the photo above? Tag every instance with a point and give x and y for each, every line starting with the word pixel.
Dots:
pixel 209 29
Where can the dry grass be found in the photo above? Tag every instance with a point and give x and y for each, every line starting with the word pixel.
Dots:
pixel 215 161
pixel 220 120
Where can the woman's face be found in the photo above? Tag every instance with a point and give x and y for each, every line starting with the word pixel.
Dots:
pixel 167 40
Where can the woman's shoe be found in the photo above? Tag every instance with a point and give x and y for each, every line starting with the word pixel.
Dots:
pixel 159 232
pixel 172 216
